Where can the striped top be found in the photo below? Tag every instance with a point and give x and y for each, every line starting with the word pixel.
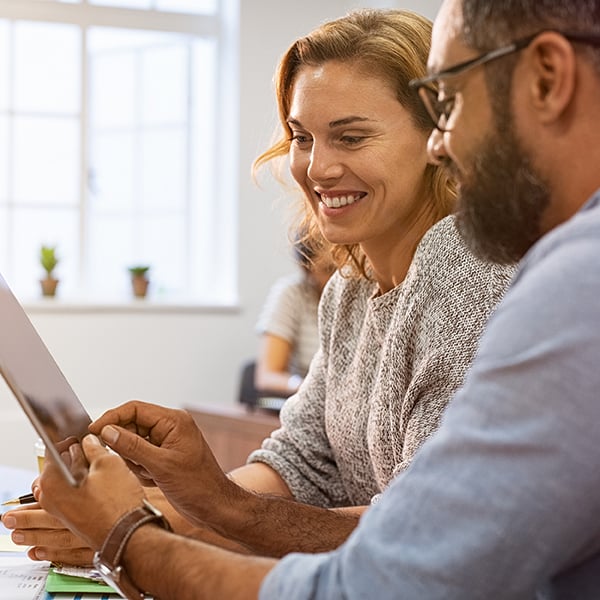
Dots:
pixel 290 312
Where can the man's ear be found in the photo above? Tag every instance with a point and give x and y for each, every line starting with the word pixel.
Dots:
pixel 552 68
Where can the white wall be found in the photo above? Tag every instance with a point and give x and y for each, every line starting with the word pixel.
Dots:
pixel 181 359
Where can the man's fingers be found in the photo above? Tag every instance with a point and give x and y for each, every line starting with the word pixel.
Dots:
pixel 79 464
pixel 81 557
pixel 55 538
pixel 92 448
pixel 129 445
pixel 135 413
pixel 30 518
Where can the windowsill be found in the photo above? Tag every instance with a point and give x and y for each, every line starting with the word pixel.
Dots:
pixel 145 305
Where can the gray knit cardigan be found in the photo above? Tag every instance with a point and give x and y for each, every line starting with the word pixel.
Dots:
pixel 386 368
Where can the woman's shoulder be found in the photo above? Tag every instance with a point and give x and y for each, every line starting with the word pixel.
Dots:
pixel 343 285
pixel 445 260
pixel 441 235
pixel 444 245
pixel 345 295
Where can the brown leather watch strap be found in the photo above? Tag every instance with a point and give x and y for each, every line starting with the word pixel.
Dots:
pixel 109 556
pixel 122 530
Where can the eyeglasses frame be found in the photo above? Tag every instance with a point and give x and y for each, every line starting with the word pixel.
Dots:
pixel 429 94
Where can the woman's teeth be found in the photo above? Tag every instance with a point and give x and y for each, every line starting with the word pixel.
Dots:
pixel 337 201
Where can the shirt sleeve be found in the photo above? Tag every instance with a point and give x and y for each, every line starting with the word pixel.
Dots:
pixel 503 500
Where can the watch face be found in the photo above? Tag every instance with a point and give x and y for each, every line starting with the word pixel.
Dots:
pixel 117 579
pixel 109 576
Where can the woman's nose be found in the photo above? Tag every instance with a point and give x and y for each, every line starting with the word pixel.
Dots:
pixel 324 164
pixel 435 147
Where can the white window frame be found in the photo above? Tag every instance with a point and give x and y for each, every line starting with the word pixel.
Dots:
pixel 219 238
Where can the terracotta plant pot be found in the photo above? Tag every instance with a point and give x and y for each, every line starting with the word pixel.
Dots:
pixel 139 284
pixel 49 286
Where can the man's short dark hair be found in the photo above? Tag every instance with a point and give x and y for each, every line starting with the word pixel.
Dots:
pixel 489 25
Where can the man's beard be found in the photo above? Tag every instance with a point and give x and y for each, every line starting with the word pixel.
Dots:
pixel 500 207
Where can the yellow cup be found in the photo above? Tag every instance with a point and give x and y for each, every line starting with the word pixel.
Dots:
pixel 40 453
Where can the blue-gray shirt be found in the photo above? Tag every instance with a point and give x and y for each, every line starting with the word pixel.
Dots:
pixel 503 502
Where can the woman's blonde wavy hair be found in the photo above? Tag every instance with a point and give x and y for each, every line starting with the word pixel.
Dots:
pixel 391 43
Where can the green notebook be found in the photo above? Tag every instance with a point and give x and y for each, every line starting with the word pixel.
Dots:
pixel 68 583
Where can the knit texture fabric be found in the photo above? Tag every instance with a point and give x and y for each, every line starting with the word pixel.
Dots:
pixel 386 368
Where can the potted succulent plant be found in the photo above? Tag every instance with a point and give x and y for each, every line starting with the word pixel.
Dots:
pixel 139 280
pixel 48 260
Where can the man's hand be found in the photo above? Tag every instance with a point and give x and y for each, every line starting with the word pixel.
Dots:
pixel 166 447
pixel 107 491
pixel 48 537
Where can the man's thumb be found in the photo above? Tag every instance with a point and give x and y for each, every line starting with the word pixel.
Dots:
pixel 127 444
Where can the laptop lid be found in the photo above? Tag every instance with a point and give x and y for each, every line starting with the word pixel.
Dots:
pixel 38 383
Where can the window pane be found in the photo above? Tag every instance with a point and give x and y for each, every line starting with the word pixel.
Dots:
pixel 47 67
pixel 112 91
pixel 163 175
pixel 162 248
pixel 109 263
pixel 205 238
pixel 4 242
pixel 112 185
pixel 4 164
pixel 53 227
pixel 153 240
pixel 4 65
pixel 46 160
pixel 163 86
pixel 140 151
pixel 124 3
pixel 189 6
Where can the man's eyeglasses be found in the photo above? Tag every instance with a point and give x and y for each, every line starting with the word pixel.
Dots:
pixel 439 108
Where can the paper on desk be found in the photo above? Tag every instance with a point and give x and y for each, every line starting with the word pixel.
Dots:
pixel 86 572
pixel 7 545
pixel 21 578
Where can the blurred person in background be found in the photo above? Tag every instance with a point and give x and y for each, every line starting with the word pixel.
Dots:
pixel 288 329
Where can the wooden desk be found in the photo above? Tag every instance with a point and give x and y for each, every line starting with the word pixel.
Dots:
pixel 233 432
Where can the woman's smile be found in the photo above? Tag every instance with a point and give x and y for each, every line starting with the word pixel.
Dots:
pixel 339 199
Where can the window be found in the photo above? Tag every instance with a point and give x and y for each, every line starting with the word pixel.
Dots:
pixel 113 123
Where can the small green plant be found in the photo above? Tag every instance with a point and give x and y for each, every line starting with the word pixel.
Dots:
pixel 139 270
pixel 48 259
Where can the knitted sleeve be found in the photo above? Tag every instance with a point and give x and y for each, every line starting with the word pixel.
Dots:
pixel 300 450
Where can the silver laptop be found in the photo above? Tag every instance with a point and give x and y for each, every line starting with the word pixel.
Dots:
pixel 38 384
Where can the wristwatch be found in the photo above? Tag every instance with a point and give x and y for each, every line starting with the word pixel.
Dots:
pixel 107 559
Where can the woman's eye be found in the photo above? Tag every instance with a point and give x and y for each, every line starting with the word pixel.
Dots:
pixel 300 139
pixel 352 140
